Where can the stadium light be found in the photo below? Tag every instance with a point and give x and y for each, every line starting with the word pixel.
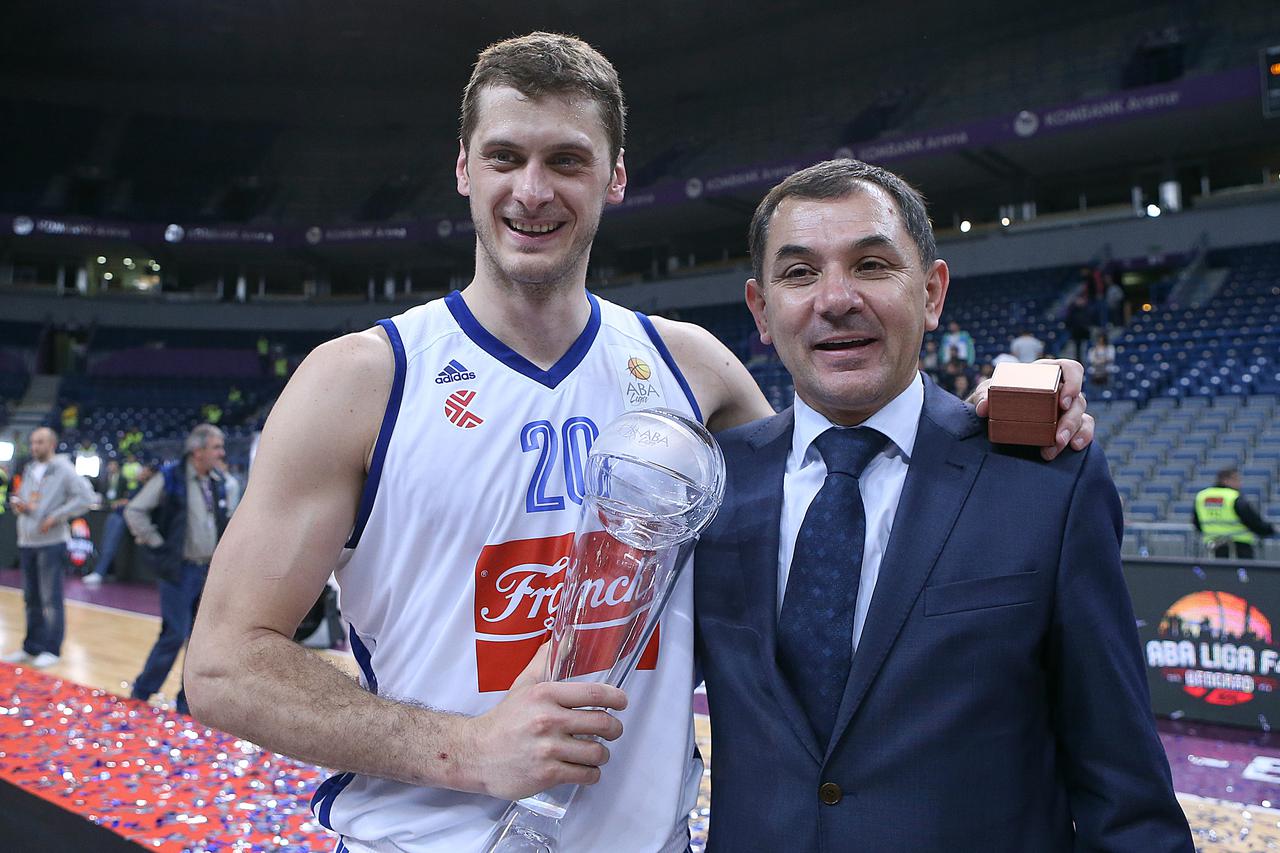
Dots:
pixel 6 451
pixel 108 276
pixel 1153 210
pixel 965 226
pixel 88 466
pixel 1004 220
pixel 102 259
pixel 128 262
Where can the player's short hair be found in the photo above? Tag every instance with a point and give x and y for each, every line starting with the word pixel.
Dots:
pixel 836 179
pixel 199 437
pixel 548 64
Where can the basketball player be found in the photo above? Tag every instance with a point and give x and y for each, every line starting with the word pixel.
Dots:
pixel 436 461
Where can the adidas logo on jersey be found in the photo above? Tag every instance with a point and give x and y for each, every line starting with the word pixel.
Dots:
pixel 453 372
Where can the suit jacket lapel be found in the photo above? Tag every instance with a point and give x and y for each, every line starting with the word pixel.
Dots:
pixel 759 481
pixel 940 476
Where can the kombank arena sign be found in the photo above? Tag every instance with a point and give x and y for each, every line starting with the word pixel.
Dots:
pixel 1208 641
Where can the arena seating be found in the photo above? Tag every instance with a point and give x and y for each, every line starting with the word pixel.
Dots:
pixel 1227 346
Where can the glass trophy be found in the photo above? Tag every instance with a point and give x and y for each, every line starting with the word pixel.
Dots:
pixel 654 480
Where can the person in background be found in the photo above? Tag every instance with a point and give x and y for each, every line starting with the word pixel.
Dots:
pixel 1026 347
pixel 957 343
pixel 929 360
pixel 1102 360
pixel 1228 524
pixel 116 490
pixel 50 495
pixel 1079 325
pixel 179 516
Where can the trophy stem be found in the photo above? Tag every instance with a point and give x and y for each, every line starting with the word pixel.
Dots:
pixel 524 830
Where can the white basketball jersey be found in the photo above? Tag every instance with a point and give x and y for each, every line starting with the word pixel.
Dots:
pixel 472 499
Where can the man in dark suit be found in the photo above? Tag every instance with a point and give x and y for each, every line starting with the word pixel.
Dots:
pixel 912 640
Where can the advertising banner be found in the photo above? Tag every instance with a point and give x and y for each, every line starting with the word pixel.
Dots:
pixel 1208 633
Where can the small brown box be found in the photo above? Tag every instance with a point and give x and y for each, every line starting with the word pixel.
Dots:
pixel 1023 401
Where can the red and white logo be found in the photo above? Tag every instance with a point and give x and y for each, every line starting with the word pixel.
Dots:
pixel 457 411
pixel 518 590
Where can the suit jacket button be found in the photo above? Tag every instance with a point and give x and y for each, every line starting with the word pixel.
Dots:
pixel 830 793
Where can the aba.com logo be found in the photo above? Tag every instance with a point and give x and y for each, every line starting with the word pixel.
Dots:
pixel 519 586
pixel 454 372
pixel 1218 647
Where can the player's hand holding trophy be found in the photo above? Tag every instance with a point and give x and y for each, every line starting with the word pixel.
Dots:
pixel 654 480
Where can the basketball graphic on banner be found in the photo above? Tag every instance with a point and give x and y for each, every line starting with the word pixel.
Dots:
pixel 80 545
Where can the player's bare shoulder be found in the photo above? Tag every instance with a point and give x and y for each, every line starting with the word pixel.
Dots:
pixel 724 389
pixel 340 391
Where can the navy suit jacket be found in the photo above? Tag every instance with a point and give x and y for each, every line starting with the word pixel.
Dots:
pixel 997 699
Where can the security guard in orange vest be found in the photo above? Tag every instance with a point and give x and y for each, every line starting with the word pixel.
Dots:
pixel 1228 524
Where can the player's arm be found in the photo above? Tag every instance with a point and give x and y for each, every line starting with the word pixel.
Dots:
pixel 1075 425
pixel 245 675
pixel 725 391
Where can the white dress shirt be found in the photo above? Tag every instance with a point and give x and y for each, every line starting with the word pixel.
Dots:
pixel 881 486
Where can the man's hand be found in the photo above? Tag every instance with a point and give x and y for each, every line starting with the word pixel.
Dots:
pixel 19 505
pixel 47 524
pixel 1075 425
pixel 542 734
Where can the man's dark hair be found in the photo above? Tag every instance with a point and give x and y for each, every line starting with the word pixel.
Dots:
pixel 548 64
pixel 836 179
pixel 1224 475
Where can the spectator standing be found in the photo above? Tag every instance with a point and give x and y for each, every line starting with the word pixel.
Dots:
pixel 179 515
pixel 957 343
pixel 1228 524
pixel 1026 347
pixel 1079 325
pixel 117 490
pixel 50 495
pixel 1102 360
pixel 1117 304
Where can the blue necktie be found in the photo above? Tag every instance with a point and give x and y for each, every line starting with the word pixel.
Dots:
pixel 815 631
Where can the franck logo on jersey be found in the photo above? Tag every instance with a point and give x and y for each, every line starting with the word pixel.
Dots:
pixel 456 409
pixel 517 590
pixel 454 372
pixel 1218 647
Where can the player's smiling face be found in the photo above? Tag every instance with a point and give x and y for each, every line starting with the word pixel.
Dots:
pixel 846 300
pixel 538 174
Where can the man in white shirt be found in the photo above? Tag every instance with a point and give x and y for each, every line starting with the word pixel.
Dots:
pixel 1026 347
pixel 51 494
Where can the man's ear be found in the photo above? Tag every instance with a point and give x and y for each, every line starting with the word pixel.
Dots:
pixel 460 171
pixel 755 302
pixel 617 181
pixel 935 293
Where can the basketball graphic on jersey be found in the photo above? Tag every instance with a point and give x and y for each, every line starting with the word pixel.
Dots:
pixel 639 368
pixel 457 411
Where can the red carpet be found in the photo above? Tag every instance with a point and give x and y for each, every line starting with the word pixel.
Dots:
pixel 153 776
